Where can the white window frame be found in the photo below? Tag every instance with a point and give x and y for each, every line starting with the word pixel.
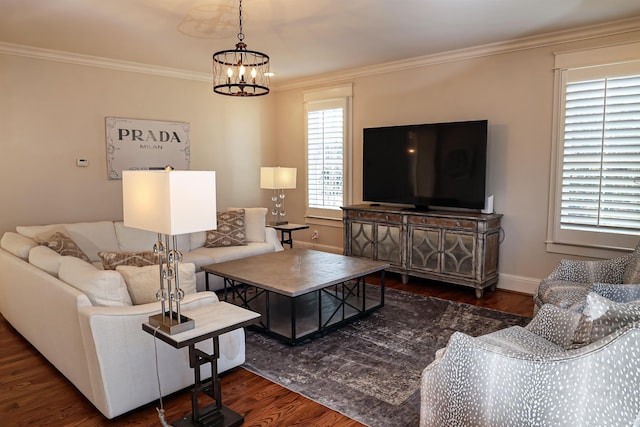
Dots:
pixel 574 66
pixel 314 100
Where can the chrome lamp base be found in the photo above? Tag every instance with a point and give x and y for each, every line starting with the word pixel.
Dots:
pixel 170 324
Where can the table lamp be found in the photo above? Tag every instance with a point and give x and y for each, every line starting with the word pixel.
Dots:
pixel 278 179
pixel 169 203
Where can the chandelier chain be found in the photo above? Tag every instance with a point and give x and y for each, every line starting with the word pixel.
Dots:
pixel 240 34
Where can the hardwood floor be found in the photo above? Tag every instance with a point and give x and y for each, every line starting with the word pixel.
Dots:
pixel 34 393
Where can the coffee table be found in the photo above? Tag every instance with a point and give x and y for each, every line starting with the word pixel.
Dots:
pixel 301 293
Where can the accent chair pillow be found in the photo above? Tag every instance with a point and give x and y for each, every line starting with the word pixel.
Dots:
pixel 602 317
pixel 230 230
pixel 63 244
pixel 555 324
pixel 111 260
pixel 144 282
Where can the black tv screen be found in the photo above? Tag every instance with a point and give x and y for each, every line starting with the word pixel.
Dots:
pixel 438 164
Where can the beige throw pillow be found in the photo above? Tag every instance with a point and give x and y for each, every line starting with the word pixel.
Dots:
pixel 63 244
pixel 144 282
pixel 111 260
pixel 230 230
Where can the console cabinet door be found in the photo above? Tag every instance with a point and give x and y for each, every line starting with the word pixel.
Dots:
pixel 361 239
pixel 388 244
pixel 459 253
pixel 424 249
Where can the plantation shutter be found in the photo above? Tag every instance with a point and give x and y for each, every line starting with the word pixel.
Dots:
pixel 601 156
pixel 325 158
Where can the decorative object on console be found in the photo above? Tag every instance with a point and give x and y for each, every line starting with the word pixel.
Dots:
pixel 278 179
pixel 169 203
pixel 230 69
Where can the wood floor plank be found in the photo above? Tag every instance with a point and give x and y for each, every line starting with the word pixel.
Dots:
pixel 34 393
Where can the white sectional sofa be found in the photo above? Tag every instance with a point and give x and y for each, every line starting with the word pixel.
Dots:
pixel 96 340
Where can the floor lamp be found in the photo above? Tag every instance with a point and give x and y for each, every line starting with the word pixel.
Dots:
pixel 169 203
pixel 278 179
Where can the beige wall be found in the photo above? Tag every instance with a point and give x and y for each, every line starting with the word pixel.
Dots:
pixel 53 112
pixel 514 91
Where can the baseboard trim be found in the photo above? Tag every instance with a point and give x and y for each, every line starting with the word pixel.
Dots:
pixel 318 247
pixel 510 282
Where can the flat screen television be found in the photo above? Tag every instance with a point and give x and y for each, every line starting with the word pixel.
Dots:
pixel 427 165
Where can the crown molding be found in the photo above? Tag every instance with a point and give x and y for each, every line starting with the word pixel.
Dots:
pixel 567 36
pixel 549 39
pixel 100 62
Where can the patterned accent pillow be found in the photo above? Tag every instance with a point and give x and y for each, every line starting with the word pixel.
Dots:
pixel 64 245
pixel 230 232
pixel 111 260
pixel 602 317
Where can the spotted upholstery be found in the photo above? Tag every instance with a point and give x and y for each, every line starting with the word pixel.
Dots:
pixel 533 377
pixel 571 280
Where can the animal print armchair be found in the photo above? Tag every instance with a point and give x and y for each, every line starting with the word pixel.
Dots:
pixel 571 280
pixel 563 369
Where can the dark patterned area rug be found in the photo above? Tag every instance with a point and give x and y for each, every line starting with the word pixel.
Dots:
pixel 370 370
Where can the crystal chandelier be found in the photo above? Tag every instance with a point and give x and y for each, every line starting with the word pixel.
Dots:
pixel 240 72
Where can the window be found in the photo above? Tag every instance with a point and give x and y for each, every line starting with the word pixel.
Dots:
pixel 327 148
pixel 596 190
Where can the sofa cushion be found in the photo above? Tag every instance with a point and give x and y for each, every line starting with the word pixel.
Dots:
pixel 45 259
pixel 205 256
pixel 230 230
pixel 135 240
pixel 602 317
pixel 102 287
pixel 255 220
pixel 17 244
pixel 144 282
pixel 111 260
pixel 91 237
pixel 62 244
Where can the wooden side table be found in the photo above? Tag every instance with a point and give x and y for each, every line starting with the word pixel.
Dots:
pixel 286 230
pixel 211 321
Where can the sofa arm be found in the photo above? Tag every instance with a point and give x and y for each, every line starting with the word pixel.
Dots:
pixel 122 360
pixel 271 236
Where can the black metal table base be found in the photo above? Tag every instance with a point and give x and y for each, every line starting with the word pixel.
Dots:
pixel 224 417
pixel 304 317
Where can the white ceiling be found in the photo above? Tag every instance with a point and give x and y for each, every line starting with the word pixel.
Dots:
pixel 302 37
